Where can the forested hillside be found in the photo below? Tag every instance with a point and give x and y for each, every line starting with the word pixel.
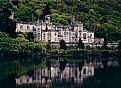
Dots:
pixel 101 16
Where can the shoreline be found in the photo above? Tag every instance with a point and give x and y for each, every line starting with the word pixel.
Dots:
pixel 67 53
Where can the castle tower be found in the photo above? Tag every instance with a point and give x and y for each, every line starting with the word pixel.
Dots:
pixel 38 29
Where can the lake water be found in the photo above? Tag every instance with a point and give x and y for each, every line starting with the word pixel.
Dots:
pixel 60 72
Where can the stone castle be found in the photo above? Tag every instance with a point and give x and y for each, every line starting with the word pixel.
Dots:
pixel 46 31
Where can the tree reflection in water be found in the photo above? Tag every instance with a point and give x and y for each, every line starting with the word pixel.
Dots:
pixel 60 73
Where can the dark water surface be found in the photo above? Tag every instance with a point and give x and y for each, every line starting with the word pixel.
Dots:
pixel 60 72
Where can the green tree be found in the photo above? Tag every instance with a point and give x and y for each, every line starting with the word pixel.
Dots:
pixel 80 44
pixel 40 45
pixel 21 43
pixel 7 25
pixel 48 46
pixel 107 15
pixel 63 19
pixel 30 36
pixel 63 44
pixel 26 14
pixel 119 46
pixel 46 10
pixel 105 45
pixel 26 47
pixel 7 44
pixel 37 49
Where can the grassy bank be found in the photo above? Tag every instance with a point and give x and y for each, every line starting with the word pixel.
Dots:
pixel 82 52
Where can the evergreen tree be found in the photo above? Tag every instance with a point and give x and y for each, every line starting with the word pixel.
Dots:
pixel 105 45
pixel 119 46
pixel 46 10
pixel 63 44
pixel 30 36
pixel 80 44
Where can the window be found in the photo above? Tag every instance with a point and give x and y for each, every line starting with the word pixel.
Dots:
pixel 70 33
pixel 69 40
pixel 90 35
pixel 27 27
pixel 67 33
pixel 80 34
pixel 48 36
pixel 38 29
pixel 34 29
pixel 80 29
pixel 44 36
pixel 84 35
pixel 21 26
pixel 64 33
pixel 38 34
pixel 20 80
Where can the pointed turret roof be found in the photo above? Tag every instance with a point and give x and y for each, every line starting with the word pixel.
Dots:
pixel 38 21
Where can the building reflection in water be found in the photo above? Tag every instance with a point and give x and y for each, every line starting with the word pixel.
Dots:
pixel 57 73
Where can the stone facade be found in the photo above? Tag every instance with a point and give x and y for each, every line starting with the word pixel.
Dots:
pixel 46 31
